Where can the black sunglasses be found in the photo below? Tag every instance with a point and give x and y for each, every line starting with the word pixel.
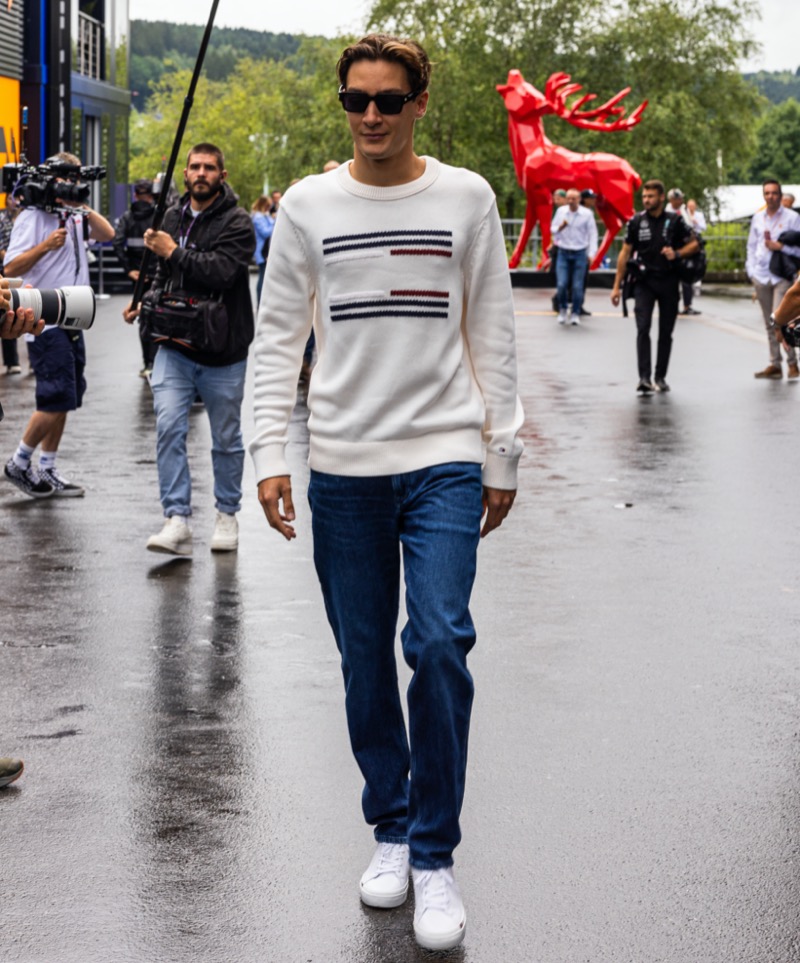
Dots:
pixel 357 103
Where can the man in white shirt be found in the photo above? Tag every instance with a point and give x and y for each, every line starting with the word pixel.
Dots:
pixel 399 262
pixel 765 228
pixel 49 250
pixel 575 235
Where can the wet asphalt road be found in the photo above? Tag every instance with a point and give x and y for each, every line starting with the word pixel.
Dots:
pixel 632 797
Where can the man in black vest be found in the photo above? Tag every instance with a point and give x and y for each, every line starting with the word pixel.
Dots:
pixel 658 240
pixel 204 252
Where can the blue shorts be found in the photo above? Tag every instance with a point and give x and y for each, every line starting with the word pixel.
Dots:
pixel 58 358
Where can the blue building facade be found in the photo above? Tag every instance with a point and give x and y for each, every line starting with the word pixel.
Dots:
pixel 72 75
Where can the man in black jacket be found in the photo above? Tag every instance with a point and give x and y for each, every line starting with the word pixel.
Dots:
pixel 128 245
pixel 659 239
pixel 204 252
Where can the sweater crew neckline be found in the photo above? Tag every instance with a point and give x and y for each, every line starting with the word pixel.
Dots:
pixel 397 192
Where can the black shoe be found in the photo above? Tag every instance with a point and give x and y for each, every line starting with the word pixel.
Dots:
pixel 27 480
pixel 584 313
pixel 645 387
pixel 661 385
pixel 691 311
pixel 61 486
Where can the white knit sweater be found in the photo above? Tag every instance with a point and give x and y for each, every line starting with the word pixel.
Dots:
pixel 410 298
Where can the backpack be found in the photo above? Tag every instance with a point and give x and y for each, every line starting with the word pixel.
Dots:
pixel 693 268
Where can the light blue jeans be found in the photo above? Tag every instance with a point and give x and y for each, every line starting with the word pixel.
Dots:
pixel 176 381
pixel 414 781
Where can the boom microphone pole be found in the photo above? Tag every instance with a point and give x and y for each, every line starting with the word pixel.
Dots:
pixel 161 206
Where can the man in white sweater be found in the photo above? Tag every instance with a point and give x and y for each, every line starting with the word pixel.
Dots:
pixel 398 261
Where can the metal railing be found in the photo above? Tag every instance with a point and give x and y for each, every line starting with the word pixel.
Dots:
pixel 726 246
pixel 89 59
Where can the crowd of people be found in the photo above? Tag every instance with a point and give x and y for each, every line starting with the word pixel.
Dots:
pixel 413 454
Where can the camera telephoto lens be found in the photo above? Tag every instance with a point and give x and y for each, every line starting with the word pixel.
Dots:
pixel 71 308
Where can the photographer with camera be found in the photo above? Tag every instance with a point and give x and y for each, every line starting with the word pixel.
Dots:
pixel 200 313
pixel 48 249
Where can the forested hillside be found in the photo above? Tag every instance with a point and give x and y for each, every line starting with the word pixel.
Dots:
pixel 157 47
pixel 777 86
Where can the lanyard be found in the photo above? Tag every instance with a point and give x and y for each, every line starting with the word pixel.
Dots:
pixel 183 236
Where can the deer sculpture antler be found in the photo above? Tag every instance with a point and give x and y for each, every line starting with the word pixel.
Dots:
pixel 609 116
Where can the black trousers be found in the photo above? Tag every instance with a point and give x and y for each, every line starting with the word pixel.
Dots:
pixel 647 293
pixel 10 352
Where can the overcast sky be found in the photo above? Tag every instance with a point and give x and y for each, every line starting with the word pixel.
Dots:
pixel 778 31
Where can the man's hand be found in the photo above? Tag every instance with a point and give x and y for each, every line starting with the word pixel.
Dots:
pixel 271 491
pixel 15 325
pixel 774 245
pixel 497 504
pixel 131 313
pixel 133 275
pixel 669 253
pixel 56 240
pixel 159 242
pixel 615 296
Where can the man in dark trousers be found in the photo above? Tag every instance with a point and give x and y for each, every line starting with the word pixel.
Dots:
pixel 204 252
pixel 658 239
pixel 128 245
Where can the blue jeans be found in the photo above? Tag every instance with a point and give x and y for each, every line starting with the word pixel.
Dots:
pixel 176 381
pixel 570 272
pixel 414 783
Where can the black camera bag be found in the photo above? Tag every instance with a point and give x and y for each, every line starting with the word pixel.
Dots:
pixel 197 323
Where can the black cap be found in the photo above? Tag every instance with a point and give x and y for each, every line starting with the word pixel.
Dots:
pixel 587 193
pixel 143 186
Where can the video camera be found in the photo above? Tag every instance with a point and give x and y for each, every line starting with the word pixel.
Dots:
pixel 43 185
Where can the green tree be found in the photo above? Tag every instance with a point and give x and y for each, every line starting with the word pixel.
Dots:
pixel 274 121
pixel 681 57
pixel 778 136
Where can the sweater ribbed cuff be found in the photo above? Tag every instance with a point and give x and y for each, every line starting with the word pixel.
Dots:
pixel 500 471
pixel 270 461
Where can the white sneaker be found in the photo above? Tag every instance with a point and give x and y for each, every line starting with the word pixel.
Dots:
pixel 562 317
pixel 574 319
pixel 226 533
pixel 175 538
pixel 385 883
pixel 440 922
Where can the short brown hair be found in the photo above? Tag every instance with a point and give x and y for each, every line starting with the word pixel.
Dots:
pixel 654 185
pixel 380 46
pixel 64 157
pixel 207 148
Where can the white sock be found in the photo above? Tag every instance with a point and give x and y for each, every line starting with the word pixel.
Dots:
pixel 47 459
pixel 22 456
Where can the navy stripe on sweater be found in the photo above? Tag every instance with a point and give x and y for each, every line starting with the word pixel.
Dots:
pixel 401 304
pixel 392 239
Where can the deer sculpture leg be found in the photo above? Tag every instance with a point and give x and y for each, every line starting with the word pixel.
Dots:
pixel 525 233
pixel 614 224
pixel 538 209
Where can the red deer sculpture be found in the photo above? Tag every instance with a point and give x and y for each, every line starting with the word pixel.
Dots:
pixel 543 167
